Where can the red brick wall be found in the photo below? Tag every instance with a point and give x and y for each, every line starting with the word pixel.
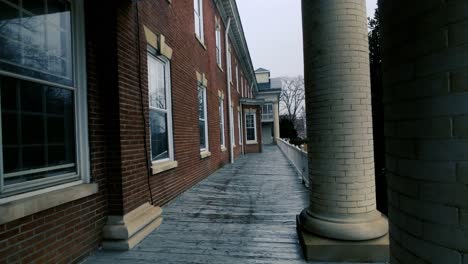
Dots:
pixel 175 22
pixel 117 119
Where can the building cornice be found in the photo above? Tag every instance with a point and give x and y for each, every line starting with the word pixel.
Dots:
pixel 228 9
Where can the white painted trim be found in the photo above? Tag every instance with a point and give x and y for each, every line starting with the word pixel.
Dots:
pixel 239 127
pixel 200 37
pixel 13 198
pixel 1 145
pixel 159 167
pixel 205 154
pixel 80 108
pixel 222 123
pixel 255 141
pixel 83 162
pixel 19 206
pixel 167 76
pixel 207 143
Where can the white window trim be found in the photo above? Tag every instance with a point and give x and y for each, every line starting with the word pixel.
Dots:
pixel 207 147
pixel 200 37
pixel 237 78
pixel 266 114
pixel 242 86
pixel 229 65
pixel 239 126
pixel 167 75
pixel 255 141
pixel 219 54
pixel 81 112
pixel 222 123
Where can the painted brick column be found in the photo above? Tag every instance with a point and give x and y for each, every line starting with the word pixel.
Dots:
pixel 426 129
pixel 276 127
pixel 338 97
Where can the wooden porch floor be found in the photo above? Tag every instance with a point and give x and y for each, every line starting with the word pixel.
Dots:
pixel 244 213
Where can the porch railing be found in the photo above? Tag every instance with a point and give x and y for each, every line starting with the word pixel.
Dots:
pixel 297 157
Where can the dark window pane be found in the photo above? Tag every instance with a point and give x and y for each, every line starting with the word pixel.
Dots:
pixel 55 129
pixel 34 137
pixel 250 134
pixel 8 93
pixel 32 97
pixel 201 125
pixel 10 159
pixel 9 129
pixel 159 136
pixel 58 155
pixel 32 129
pixel 33 157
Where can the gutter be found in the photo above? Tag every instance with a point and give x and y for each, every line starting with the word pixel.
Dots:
pixel 231 123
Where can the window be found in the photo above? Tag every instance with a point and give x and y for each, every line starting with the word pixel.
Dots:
pixel 229 66
pixel 237 78
pixel 198 14
pixel 239 124
pixel 218 43
pixel 160 109
pixel 202 118
pixel 267 112
pixel 250 126
pixel 43 95
pixel 242 86
pixel 221 122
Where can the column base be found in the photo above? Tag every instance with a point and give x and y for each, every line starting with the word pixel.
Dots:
pixel 318 248
pixel 125 232
pixel 358 227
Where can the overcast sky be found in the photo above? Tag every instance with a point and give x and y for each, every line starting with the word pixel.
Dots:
pixel 273 30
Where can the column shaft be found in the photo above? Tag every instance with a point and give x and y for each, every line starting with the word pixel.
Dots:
pixel 338 98
pixel 276 128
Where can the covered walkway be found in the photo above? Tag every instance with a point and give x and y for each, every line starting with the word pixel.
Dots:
pixel 244 213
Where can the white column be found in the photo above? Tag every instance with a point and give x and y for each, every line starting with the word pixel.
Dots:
pixel 276 127
pixel 338 97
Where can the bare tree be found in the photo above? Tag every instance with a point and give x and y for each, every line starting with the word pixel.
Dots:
pixel 292 97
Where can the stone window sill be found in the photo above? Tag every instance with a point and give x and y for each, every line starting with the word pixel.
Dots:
pixel 220 67
pixel 223 149
pixel 205 154
pixel 252 142
pixel 159 167
pixel 12 208
pixel 200 41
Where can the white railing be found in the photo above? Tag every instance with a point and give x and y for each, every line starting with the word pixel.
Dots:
pixel 297 157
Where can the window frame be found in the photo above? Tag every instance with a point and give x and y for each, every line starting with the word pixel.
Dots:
pixel 229 64
pixel 218 41
pixel 222 123
pixel 239 125
pixel 199 16
pixel 151 54
pixel 80 107
pixel 237 77
pixel 207 145
pixel 254 141
pixel 267 114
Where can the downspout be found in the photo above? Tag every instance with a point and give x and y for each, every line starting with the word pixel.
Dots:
pixel 231 123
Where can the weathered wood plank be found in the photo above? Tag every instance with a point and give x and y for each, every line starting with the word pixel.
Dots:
pixel 242 214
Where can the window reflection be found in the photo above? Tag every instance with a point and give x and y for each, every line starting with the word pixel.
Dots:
pixel 35 39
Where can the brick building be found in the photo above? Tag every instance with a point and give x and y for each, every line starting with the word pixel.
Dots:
pixel 109 115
